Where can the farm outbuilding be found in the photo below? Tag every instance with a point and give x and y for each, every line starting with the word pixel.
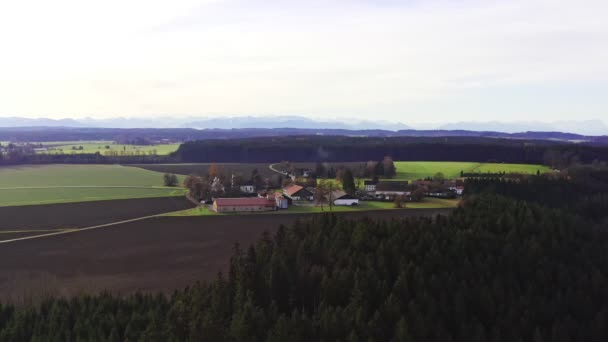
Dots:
pixel 247 188
pixel 342 198
pixel 282 201
pixel 222 205
pixel 390 189
pixel 298 193
pixel 370 185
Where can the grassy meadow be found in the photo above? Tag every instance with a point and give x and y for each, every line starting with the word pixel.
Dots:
pixel 243 169
pixel 106 147
pixel 411 170
pixel 43 184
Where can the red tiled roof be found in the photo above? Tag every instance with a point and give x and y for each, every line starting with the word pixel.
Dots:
pixel 292 189
pixel 243 201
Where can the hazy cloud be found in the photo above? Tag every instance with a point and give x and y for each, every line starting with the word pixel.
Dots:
pixel 410 61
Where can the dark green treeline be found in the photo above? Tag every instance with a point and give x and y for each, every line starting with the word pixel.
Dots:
pixel 495 270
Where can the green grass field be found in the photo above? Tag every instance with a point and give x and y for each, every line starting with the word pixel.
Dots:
pixel 69 147
pixel 428 203
pixel 21 185
pixel 420 169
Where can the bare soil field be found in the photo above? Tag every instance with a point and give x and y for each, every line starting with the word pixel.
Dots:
pixel 85 214
pixel 156 254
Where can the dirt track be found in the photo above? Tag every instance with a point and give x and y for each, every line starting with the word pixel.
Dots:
pixel 157 254
pixel 84 214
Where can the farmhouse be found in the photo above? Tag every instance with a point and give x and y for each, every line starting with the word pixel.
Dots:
pixel 281 201
pixel 342 198
pixel 248 188
pixel 222 205
pixel 457 189
pixel 298 193
pixel 388 190
pixel 370 185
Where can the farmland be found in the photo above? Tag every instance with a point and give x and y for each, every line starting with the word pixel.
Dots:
pixel 157 254
pixel 32 218
pixel 413 170
pixel 417 170
pixel 201 169
pixel 23 185
pixel 364 206
pixel 106 147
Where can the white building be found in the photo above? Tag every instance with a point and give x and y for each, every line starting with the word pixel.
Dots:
pixel 370 185
pixel 247 188
pixel 457 189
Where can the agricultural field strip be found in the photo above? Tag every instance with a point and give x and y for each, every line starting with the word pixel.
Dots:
pixel 68 231
pixel 88 186
pixel 75 230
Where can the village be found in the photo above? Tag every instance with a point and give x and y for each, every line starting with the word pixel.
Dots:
pixel 305 188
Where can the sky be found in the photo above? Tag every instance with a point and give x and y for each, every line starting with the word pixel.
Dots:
pixel 403 61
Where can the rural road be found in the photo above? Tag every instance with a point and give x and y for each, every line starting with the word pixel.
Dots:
pixel 271 167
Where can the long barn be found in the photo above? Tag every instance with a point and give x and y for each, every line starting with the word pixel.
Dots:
pixel 222 205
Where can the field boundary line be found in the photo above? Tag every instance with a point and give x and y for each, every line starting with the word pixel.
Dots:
pixel 105 225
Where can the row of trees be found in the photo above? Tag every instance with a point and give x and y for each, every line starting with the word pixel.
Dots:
pixel 496 270
pixel 384 168
pixel 20 156
pixel 217 182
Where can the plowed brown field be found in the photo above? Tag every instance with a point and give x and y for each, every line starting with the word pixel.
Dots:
pixel 156 254
pixel 85 214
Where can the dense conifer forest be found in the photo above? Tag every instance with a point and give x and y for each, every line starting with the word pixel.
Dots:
pixel 555 154
pixel 582 190
pixel 344 149
pixel 497 269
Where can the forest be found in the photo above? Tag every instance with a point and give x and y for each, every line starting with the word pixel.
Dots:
pixel 350 149
pixel 45 134
pixel 554 154
pixel 579 189
pixel 497 269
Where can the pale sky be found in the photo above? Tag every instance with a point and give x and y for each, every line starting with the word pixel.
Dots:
pixel 406 61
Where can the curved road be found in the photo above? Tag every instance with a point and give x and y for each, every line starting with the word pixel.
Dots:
pixel 271 167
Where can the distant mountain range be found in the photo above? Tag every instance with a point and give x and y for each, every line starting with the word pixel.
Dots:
pixel 587 127
pixel 204 123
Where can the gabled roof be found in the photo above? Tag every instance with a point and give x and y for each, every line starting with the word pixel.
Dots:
pixel 370 182
pixel 293 189
pixel 392 186
pixel 339 194
pixel 243 201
